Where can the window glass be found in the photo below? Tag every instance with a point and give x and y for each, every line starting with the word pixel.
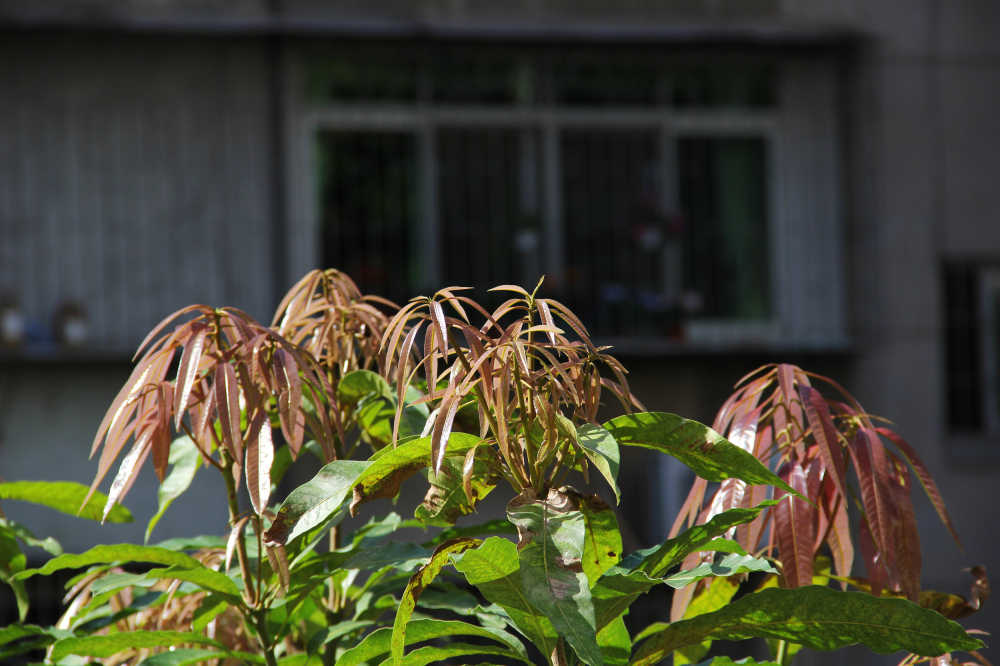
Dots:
pixel 723 199
pixel 374 75
pixel 369 208
pixel 962 347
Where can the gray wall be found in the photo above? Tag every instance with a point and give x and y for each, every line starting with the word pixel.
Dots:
pixel 134 178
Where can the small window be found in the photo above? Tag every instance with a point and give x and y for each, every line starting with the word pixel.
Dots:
pixel 972 347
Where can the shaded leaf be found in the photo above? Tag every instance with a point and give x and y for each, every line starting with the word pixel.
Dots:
pixel 819 618
pixel 64 496
pixel 615 642
pixel 447 498
pixel 793 528
pixel 705 451
pixel 358 384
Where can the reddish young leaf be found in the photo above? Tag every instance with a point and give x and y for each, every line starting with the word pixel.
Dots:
pixel 187 372
pixel 227 405
pixel 259 458
pixel 793 527
pixel 923 475
pixel 825 435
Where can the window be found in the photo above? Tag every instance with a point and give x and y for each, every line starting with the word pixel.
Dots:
pixel 972 347
pixel 658 193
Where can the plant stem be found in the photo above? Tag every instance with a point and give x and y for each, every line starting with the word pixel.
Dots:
pixel 260 619
pixel 782 653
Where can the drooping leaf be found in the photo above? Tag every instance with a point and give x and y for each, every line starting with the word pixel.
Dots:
pixel 183 657
pixel 378 642
pixel 616 591
pixel 436 654
pixel 658 560
pixel 817 617
pixel 391 466
pixel 64 496
pixel 111 554
pixel 418 583
pixel 494 570
pixel 13 561
pixel 316 500
pixel 203 577
pixel 111 644
pixel 551 534
pixel 446 499
pixel 730 565
pixel 601 449
pixel 24 535
pixel 184 458
pixel 705 451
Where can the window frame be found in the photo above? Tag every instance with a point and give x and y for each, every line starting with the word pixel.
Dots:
pixel 798 112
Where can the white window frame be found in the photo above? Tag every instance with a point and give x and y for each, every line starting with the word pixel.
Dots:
pixel 803 197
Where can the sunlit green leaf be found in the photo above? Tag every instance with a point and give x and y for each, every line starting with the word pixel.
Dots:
pixel 357 384
pixel 494 569
pixel 817 617
pixel 111 554
pixel 601 449
pixel 710 455
pixel 730 565
pixel 615 642
pixel 446 499
pixel 391 466
pixel 64 496
pixel 111 644
pixel 657 560
pixel 418 583
pixel 313 502
pixel 184 459
pixel 603 542
pixel 552 534
pixel 377 643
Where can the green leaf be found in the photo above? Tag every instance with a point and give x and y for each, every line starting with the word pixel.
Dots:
pixel 184 459
pixel 111 644
pixel 313 502
pixel 391 466
pixel 182 657
pixel 710 599
pixel 709 454
pixel 24 535
pixel 375 415
pixel 616 591
pixel 745 661
pixel 117 553
pixel 357 384
pixel 211 607
pixel 418 583
pixel 615 642
pixel 819 618
pixel 64 496
pixel 377 643
pixel 730 565
pixel 603 542
pixel 203 577
pixel 433 654
pixel 495 571
pixel 658 560
pixel 601 449
pixel 13 561
pixel 446 499
pixel 552 533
